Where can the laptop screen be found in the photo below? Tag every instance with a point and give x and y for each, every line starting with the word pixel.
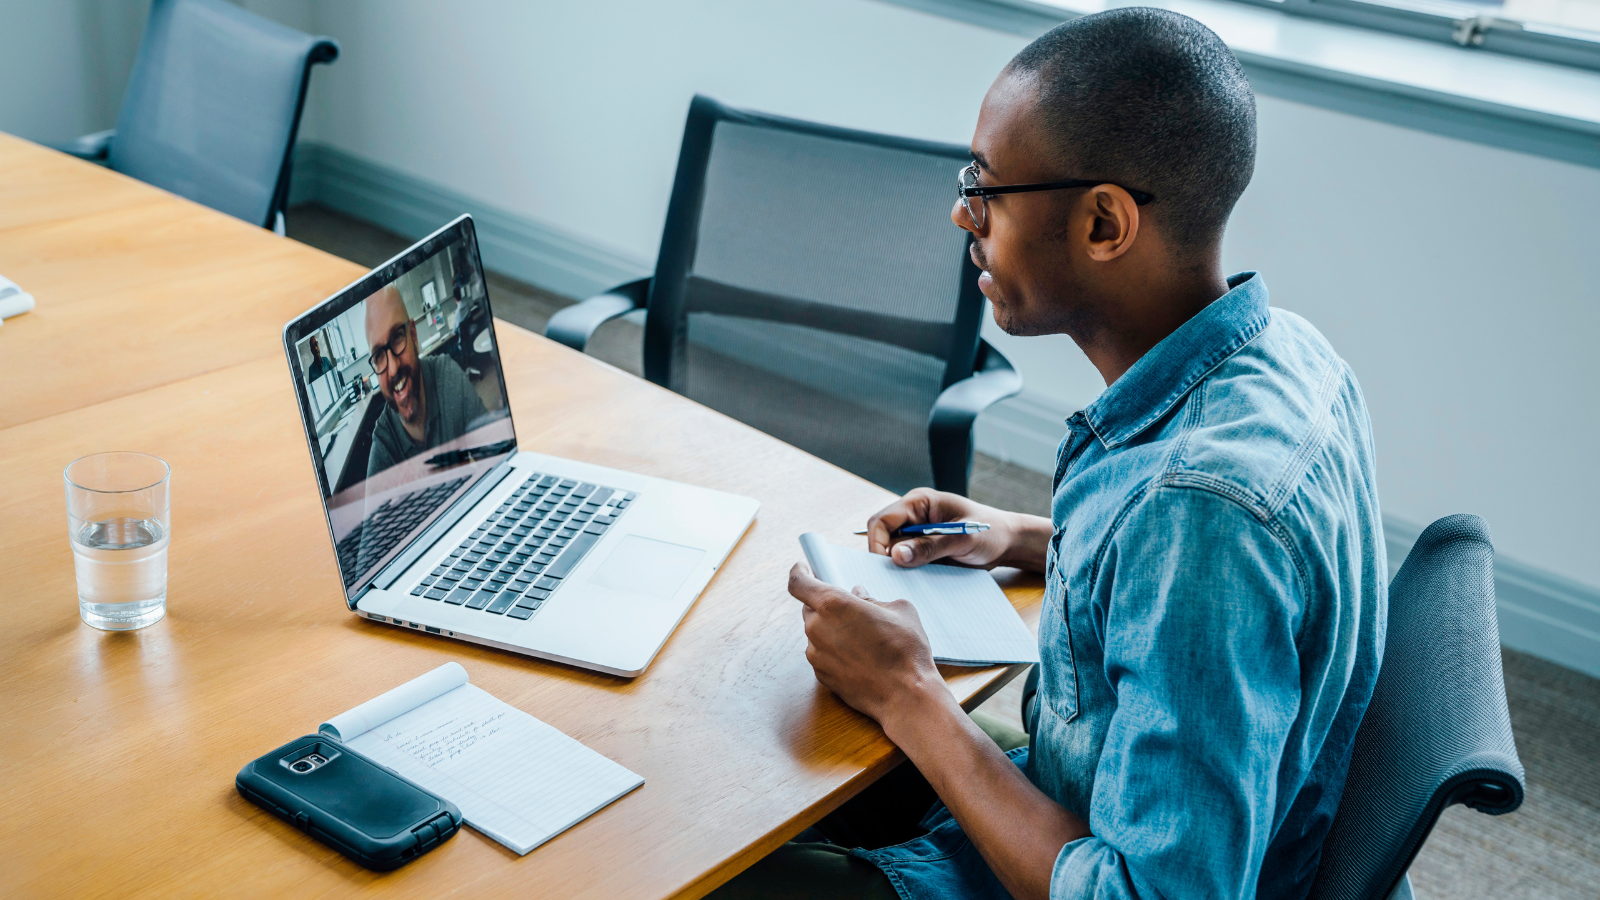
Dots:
pixel 403 397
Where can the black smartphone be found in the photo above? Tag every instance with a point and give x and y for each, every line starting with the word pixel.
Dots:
pixel 349 802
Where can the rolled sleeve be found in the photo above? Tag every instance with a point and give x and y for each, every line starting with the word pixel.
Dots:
pixel 1200 605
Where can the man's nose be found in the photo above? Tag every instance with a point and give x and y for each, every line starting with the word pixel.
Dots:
pixel 963 221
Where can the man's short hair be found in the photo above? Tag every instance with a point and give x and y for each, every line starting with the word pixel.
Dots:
pixel 1154 101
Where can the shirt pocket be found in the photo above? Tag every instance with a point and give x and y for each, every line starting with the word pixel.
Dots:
pixel 1058 672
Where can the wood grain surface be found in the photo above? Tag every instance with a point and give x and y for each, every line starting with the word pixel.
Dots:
pixel 134 287
pixel 119 751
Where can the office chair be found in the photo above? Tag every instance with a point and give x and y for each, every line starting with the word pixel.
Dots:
pixel 1437 732
pixel 212 108
pixel 809 283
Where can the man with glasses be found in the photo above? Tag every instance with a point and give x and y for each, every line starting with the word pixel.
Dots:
pixel 1214 564
pixel 320 365
pixel 426 401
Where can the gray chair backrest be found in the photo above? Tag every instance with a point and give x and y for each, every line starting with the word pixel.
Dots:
pixel 1437 732
pixel 810 283
pixel 213 105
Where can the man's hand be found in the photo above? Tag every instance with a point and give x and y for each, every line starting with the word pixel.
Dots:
pixel 1013 539
pixel 873 655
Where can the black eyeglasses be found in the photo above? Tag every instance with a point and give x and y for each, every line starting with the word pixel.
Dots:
pixel 968 190
pixel 394 346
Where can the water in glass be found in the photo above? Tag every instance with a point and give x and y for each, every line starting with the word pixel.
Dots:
pixel 122 572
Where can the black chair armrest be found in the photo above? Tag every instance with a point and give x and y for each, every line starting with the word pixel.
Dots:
pixel 323 50
pixel 574 325
pixel 950 421
pixel 1030 699
pixel 95 146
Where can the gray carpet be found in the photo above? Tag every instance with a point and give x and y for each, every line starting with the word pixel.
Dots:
pixel 1549 849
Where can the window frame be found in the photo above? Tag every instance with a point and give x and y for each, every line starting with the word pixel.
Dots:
pixel 1543 43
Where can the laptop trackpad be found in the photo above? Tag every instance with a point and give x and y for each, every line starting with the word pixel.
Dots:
pixel 647 568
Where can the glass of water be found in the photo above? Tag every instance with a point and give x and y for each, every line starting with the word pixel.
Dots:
pixel 119 519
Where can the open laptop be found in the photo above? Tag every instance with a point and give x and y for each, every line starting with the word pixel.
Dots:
pixel 441 523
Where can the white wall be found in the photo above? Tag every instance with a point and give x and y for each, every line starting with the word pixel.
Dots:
pixel 63 64
pixel 41 64
pixel 1454 277
pixel 1459 281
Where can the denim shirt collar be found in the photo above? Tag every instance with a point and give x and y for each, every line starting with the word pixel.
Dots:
pixel 1171 368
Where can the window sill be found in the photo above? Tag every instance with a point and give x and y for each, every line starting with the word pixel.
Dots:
pixel 1518 104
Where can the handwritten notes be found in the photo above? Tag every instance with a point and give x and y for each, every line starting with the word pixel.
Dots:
pixel 447 740
pixel 515 778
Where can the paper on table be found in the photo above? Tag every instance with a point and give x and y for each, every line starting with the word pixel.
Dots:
pixel 515 778
pixel 14 301
pixel 967 617
pixel 349 725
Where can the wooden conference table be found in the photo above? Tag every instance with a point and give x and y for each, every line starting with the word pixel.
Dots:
pixel 157 329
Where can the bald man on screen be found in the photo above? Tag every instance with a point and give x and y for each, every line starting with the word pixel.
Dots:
pixel 427 401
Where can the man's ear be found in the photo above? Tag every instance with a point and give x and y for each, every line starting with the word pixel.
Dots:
pixel 1116 222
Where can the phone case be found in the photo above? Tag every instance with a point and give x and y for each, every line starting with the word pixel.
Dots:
pixel 377 818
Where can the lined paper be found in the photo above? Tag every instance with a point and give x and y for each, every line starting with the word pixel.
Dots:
pixel 967 617
pixel 515 778
pixel 353 723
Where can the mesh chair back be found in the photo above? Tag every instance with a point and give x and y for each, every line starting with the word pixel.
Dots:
pixel 213 105
pixel 811 284
pixel 1437 732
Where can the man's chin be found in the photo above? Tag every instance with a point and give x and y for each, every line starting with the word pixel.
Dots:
pixel 411 412
pixel 1017 326
pixel 1005 317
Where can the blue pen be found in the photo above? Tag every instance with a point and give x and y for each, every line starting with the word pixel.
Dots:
pixel 940 528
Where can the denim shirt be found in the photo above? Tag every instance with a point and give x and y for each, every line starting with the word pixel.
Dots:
pixel 1213 621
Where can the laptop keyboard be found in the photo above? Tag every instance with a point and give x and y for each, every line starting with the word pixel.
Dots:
pixel 387 525
pixel 518 557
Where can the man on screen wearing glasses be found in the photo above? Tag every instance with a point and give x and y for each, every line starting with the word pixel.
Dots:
pixel 427 401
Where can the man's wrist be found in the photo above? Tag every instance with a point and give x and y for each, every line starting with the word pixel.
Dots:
pixel 1029 542
pixel 918 712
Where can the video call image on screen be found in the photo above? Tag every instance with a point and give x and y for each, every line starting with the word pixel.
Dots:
pixel 405 396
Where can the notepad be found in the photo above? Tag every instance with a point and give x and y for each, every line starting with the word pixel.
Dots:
pixel 967 617
pixel 14 301
pixel 514 778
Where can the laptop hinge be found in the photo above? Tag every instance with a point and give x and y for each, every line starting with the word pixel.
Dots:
pixel 437 530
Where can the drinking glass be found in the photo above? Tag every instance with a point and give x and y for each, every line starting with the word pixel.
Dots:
pixel 119 520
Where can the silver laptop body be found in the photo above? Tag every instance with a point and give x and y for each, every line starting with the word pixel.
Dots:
pixel 441 524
